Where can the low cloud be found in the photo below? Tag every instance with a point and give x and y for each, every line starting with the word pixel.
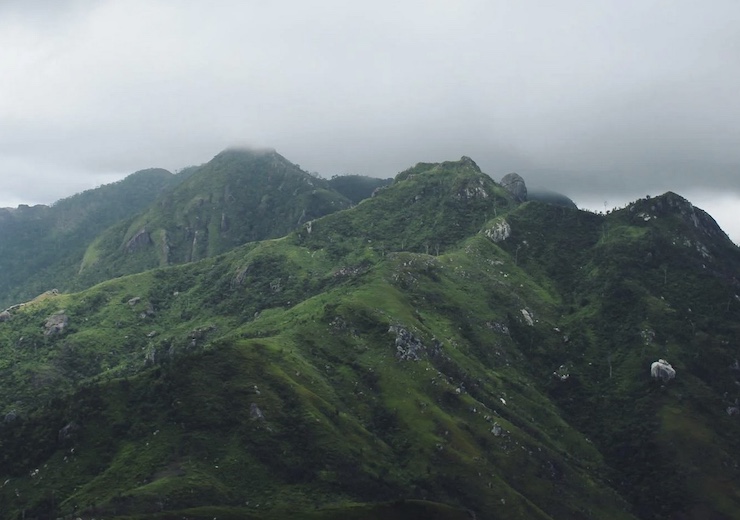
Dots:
pixel 607 100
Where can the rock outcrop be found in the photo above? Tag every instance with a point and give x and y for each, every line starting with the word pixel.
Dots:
pixel 56 323
pixel 139 241
pixel 499 231
pixel 514 184
pixel 408 346
pixel 662 369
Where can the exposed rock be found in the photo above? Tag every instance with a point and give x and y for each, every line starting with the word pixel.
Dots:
pixel 139 241
pixel 408 346
pixel 470 163
pixel 149 312
pixel 472 190
pixel 528 317
pixel 499 231
pixel 647 335
pixel 199 334
pixel 255 412
pixel 56 323
pixel 498 327
pixel 10 417
pixel 562 373
pixel 514 184
pixel 5 316
pixel 496 430
pixel 241 274
pixel 67 432
pixel 672 204
pixel 661 369
pixel 133 301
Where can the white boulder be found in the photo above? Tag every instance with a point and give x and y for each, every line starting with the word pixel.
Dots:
pixel 662 369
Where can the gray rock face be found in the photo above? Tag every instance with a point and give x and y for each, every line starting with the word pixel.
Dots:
pixel 140 240
pixel 55 323
pixel 499 231
pixel 5 316
pixel 662 369
pixel 67 433
pixel 514 184
pixel 255 413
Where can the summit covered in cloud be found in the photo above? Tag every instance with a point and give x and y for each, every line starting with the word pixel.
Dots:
pixel 604 101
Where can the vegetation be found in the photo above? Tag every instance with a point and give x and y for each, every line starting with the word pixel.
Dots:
pixel 43 245
pixel 436 351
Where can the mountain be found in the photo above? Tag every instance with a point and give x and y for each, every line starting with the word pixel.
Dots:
pixel 357 187
pixel 440 350
pixel 550 197
pixel 43 245
pixel 238 197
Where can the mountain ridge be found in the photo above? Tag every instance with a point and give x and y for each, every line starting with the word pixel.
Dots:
pixel 438 341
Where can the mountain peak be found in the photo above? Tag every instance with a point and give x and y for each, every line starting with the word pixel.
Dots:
pixel 466 161
pixel 671 203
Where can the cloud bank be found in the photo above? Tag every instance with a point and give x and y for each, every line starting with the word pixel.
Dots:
pixel 608 100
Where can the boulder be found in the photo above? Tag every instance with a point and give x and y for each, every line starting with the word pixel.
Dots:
pixel 663 370
pixel 514 184
pixel 255 413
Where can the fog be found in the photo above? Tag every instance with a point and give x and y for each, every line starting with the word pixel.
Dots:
pixel 603 101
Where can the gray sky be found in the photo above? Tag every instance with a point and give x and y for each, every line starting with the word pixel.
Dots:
pixel 603 100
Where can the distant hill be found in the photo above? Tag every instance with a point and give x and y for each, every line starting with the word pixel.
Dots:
pixel 357 187
pixel 550 197
pixel 42 246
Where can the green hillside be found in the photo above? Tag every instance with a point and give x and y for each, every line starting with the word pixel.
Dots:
pixel 436 351
pixel 239 196
pixel 43 245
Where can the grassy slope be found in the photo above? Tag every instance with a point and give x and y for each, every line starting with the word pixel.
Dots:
pixel 43 245
pixel 238 197
pixel 165 391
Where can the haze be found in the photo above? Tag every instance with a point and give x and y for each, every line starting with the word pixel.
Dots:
pixel 604 101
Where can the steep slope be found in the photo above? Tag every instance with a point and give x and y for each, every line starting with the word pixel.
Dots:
pixel 657 279
pixel 43 245
pixel 436 348
pixel 238 197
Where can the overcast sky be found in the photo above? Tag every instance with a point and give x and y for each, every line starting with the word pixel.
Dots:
pixel 603 100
